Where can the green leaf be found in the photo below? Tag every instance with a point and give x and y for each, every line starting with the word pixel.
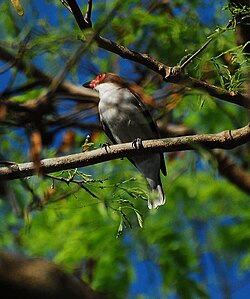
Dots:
pixel 139 218
pixel 18 7
pixel 120 228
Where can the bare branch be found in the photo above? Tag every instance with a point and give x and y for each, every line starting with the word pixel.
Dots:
pixel 225 139
pixel 82 23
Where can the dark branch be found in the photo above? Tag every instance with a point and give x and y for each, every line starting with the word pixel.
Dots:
pixel 82 23
pixel 225 140
pixel 66 5
pixel 237 98
pixel 174 74
pixel 230 170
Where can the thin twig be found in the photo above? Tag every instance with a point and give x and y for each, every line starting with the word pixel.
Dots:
pixel 191 58
pixel 185 63
pixel 72 180
pixel 78 182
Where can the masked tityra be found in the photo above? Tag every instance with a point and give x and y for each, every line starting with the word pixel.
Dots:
pixel 124 118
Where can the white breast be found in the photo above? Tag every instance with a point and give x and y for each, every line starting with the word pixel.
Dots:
pixel 118 110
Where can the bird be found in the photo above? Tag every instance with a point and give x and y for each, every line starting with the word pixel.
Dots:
pixel 124 118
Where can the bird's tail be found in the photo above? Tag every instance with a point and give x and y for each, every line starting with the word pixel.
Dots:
pixel 156 195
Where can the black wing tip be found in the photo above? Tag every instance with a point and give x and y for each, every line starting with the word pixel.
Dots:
pixel 163 166
pixel 164 171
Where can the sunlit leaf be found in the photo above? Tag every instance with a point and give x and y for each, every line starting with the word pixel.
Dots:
pixel 18 7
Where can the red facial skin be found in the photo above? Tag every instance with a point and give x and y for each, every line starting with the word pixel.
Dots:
pixel 97 80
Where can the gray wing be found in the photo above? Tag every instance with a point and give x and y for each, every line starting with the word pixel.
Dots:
pixel 153 127
pixel 111 137
pixel 108 132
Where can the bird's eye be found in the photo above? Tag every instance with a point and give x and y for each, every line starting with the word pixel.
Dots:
pixel 100 76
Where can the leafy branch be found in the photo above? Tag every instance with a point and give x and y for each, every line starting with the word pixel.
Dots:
pixel 169 74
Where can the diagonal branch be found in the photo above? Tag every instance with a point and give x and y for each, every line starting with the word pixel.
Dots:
pixel 233 172
pixel 173 74
pixel 210 39
pixel 41 79
pixel 225 139
pixel 72 4
pixel 66 5
pixel 237 98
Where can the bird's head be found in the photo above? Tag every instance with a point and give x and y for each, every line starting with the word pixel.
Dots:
pixel 105 78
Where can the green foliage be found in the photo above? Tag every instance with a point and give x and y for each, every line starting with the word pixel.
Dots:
pixel 89 234
pixel 232 81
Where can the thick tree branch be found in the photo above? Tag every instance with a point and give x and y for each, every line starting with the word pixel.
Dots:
pixel 237 98
pixel 230 170
pixel 66 5
pixel 225 139
pixel 82 23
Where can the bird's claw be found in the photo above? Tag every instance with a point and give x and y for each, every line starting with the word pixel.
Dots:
pixel 105 146
pixel 137 143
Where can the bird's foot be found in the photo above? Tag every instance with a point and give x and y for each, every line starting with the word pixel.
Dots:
pixel 137 143
pixel 105 146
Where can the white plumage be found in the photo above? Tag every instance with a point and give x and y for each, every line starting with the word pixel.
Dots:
pixel 124 118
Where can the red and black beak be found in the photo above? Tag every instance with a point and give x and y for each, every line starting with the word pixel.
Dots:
pixel 87 84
